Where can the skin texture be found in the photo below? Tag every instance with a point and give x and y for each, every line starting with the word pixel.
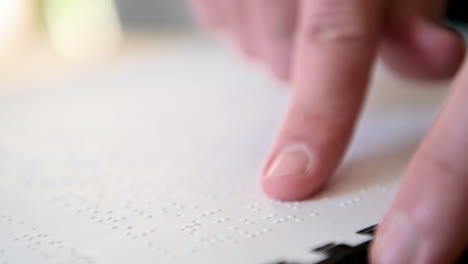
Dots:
pixel 326 49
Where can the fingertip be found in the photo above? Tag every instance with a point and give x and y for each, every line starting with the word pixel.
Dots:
pixel 290 188
pixel 290 174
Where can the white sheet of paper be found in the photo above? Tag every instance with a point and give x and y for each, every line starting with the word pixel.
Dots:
pixel 156 159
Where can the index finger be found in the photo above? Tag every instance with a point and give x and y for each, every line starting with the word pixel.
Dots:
pixel 335 48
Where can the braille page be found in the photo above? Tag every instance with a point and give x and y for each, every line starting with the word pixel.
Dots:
pixel 156 159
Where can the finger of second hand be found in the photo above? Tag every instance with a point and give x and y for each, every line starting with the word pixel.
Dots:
pixel 275 23
pixel 239 29
pixel 427 222
pixel 335 49
pixel 209 13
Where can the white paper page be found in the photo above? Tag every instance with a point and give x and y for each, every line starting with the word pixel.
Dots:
pixel 156 159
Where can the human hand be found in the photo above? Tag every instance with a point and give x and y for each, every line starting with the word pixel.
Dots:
pixel 327 48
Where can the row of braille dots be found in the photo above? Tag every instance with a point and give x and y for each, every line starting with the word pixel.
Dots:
pixel 289 205
pixel 96 214
pixel 277 219
pixel 114 222
pixel 38 239
pixel 217 240
pixel 209 213
pixel 251 234
pixel 38 242
pixel 108 217
pixel 194 226
pixel 129 232
pixel 143 214
pixel 350 202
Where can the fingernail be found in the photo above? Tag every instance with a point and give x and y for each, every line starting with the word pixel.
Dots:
pixel 294 160
pixel 397 243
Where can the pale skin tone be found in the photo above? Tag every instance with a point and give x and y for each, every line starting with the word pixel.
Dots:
pixel 326 49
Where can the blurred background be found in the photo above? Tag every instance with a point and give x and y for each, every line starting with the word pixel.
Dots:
pixel 141 15
pixel 40 38
pixel 45 38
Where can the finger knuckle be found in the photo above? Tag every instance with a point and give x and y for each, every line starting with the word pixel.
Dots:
pixel 332 116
